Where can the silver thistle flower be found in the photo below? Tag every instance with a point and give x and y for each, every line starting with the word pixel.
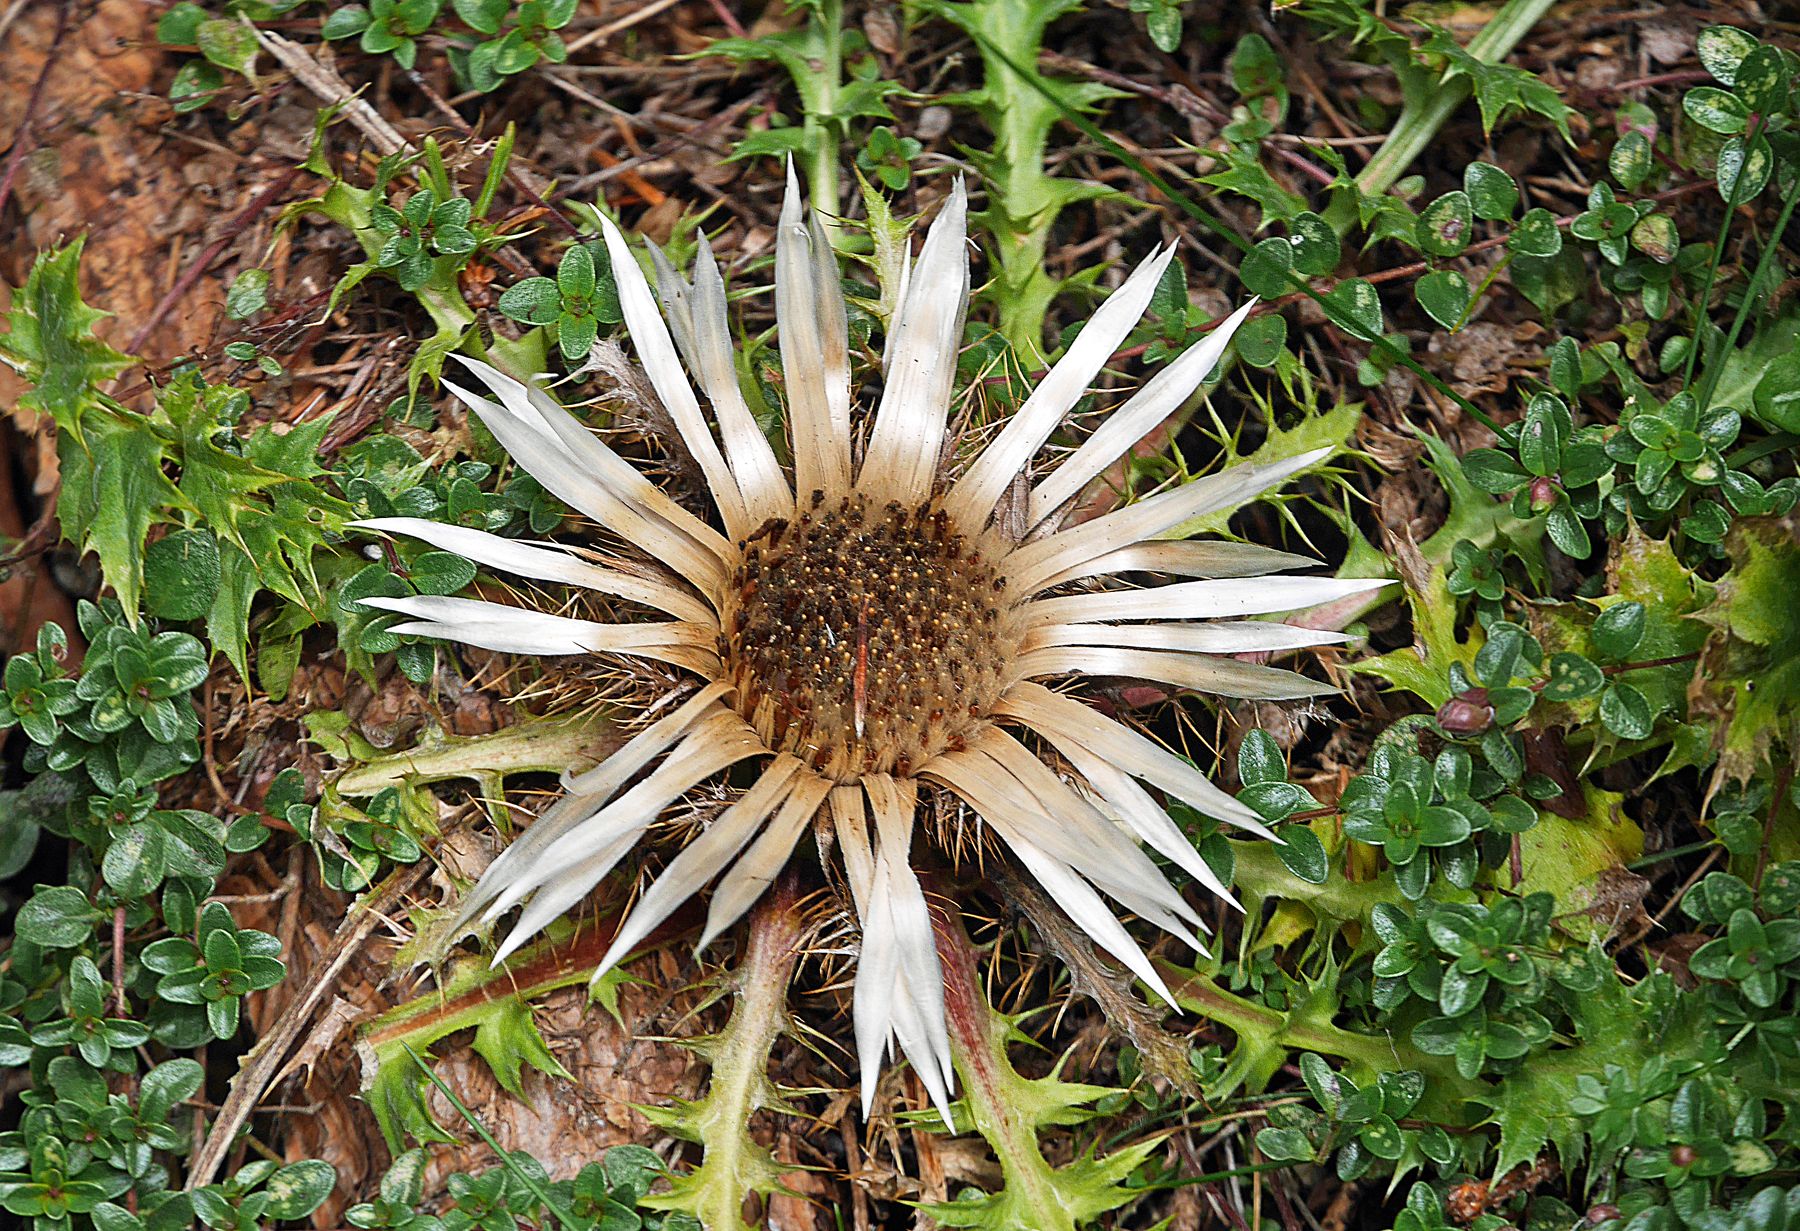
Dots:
pixel 866 632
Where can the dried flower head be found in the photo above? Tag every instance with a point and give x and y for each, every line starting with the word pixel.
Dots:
pixel 865 633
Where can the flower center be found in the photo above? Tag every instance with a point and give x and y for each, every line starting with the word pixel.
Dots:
pixel 866 640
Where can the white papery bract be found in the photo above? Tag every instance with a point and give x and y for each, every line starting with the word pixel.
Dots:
pixel 860 636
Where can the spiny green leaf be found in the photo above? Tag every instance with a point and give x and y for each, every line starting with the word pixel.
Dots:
pixel 1332 428
pixel 112 484
pixel 733 1164
pixel 268 519
pixel 1010 1110
pixel 508 1039
pixel 50 341
pixel 111 458
pixel 1754 683
pixel 1500 89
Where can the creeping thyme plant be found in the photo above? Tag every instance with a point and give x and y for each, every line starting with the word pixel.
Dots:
pixel 981 613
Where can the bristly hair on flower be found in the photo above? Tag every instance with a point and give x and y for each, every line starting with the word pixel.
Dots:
pixel 862 634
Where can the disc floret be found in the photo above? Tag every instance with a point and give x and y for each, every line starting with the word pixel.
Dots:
pixel 866 639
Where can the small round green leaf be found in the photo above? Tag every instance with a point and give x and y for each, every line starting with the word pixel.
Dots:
pixel 1443 227
pixel 56 918
pixel 1626 712
pixel 441 572
pixel 1717 110
pixel 1572 678
pixel 133 864
pixel 1268 270
pixel 482 15
pixel 181 575
pixel 1743 169
pixel 110 1217
pixel 1492 193
pixel 166 1085
pixel 1325 1085
pixel 1656 237
pixel 347 22
pixel 1259 341
pixel 1445 296
pixel 1631 159
pixel 1567 532
pixel 1284 1145
pixel 535 301
pixel 1543 433
pixel 1721 49
pixel 194 85
pixel 227 42
pixel 1316 246
pixel 1536 234
pixel 180 25
pixel 1619 629
pixel 575 336
pixel 1551 282
pixel 1383 1138
pixel 1260 759
pixel 299 1188
pixel 1493 471
pixel 575 275
pixel 1304 855
pixel 1565 368
pixel 1354 307
pixel 1762 79
pixel 1776 401
pixel 1163 24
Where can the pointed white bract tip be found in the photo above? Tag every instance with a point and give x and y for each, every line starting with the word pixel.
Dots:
pixel 600 972
pixel 940 1099
pixel 1162 990
pixel 707 936
pixel 1354 586
pixel 790 199
pixel 959 201
pixel 1211 348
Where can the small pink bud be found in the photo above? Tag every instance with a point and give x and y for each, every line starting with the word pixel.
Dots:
pixel 1466 713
